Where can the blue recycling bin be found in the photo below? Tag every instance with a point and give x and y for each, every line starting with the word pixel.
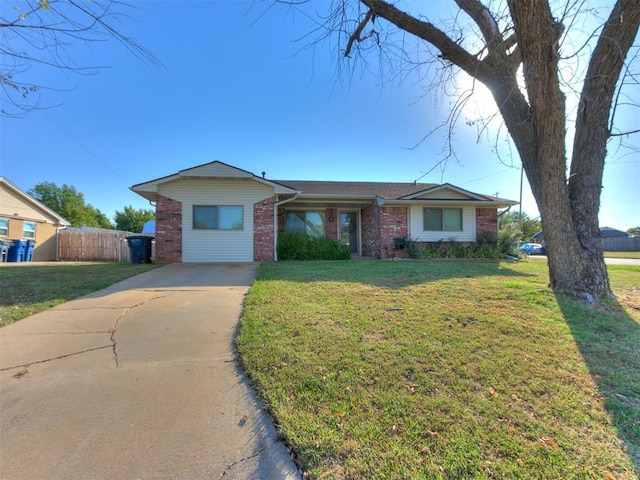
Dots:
pixel 16 251
pixel 140 248
pixel 4 250
pixel 28 251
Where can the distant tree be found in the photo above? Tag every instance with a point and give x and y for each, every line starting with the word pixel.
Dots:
pixel 67 202
pixel 40 33
pixel 635 231
pixel 132 220
pixel 531 55
pixel 530 226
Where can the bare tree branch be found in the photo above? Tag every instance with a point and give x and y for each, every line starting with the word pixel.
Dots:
pixel 42 33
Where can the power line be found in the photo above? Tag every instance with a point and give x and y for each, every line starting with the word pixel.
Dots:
pixel 85 148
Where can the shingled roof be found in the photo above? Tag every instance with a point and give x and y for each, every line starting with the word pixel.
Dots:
pixel 365 189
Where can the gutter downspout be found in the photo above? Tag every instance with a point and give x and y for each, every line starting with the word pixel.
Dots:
pixel 275 223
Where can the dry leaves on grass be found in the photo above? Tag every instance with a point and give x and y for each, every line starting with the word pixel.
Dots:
pixel 546 441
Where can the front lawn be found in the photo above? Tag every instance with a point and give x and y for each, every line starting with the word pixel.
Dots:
pixel 445 369
pixel 635 255
pixel 31 288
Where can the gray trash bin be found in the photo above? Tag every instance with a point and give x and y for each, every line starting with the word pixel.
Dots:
pixel 140 248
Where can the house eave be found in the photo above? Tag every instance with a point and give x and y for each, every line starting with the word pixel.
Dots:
pixel 149 190
pixel 453 202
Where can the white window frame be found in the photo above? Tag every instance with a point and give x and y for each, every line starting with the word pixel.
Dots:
pixel 218 209
pixel 30 233
pixel 442 209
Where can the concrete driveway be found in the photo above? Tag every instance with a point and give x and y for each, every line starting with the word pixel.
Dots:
pixel 607 260
pixel 137 382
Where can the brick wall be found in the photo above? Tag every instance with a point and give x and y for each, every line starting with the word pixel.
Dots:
pixel 370 218
pixel 331 223
pixel 393 225
pixel 486 221
pixel 380 225
pixel 168 230
pixel 263 236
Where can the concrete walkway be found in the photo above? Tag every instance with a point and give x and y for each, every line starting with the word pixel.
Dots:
pixel 137 382
pixel 607 260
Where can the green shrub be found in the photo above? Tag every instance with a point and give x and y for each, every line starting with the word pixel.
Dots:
pixel 487 238
pixel 292 246
pixel 485 247
pixel 508 242
pixel 300 246
pixel 325 249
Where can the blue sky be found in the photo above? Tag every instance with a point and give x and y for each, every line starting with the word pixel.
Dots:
pixel 237 87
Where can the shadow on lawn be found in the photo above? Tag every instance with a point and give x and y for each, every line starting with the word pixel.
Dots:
pixel 386 274
pixel 609 341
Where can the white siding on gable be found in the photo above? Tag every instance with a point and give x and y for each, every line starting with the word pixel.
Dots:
pixel 216 245
pixel 416 225
pixel 444 194
pixel 14 205
pixel 215 169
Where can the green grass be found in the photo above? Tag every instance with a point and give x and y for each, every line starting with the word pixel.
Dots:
pixel 445 369
pixel 622 254
pixel 29 289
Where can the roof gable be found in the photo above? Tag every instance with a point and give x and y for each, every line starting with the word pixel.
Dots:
pixel 215 169
pixel 27 199
pixel 445 191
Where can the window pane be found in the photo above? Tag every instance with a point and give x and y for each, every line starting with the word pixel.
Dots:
pixel 452 219
pixel 4 226
pixel 295 222
pixel 314 223
pixel 433 219
pixel 230 218
pixel 205 216
pixel 28 230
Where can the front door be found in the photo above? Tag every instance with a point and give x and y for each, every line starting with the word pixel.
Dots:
pixel 349 230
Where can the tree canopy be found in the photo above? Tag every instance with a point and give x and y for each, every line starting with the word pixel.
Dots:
pixel 512 222
pixel 70 204
pixel 131 219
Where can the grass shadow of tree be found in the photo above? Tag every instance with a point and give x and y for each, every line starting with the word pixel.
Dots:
pixel 608 338
pixel 387 274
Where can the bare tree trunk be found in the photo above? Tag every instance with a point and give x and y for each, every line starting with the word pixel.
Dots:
pixel 569 209
pixel 538 36
pixel 593 132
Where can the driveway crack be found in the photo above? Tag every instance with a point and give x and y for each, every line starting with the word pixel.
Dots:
pixel 113 330
pixel 55 358
pixel 250 457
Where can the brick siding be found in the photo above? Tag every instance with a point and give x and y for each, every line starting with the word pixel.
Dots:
pixel 486 221
pixel 380 225
pixel 331 223
pixel 370 219
pixel 263 236
pixel 394 224
pixel 168 230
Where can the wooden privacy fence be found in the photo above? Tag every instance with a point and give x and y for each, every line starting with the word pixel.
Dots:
pixel 621 244
pixel 101 246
